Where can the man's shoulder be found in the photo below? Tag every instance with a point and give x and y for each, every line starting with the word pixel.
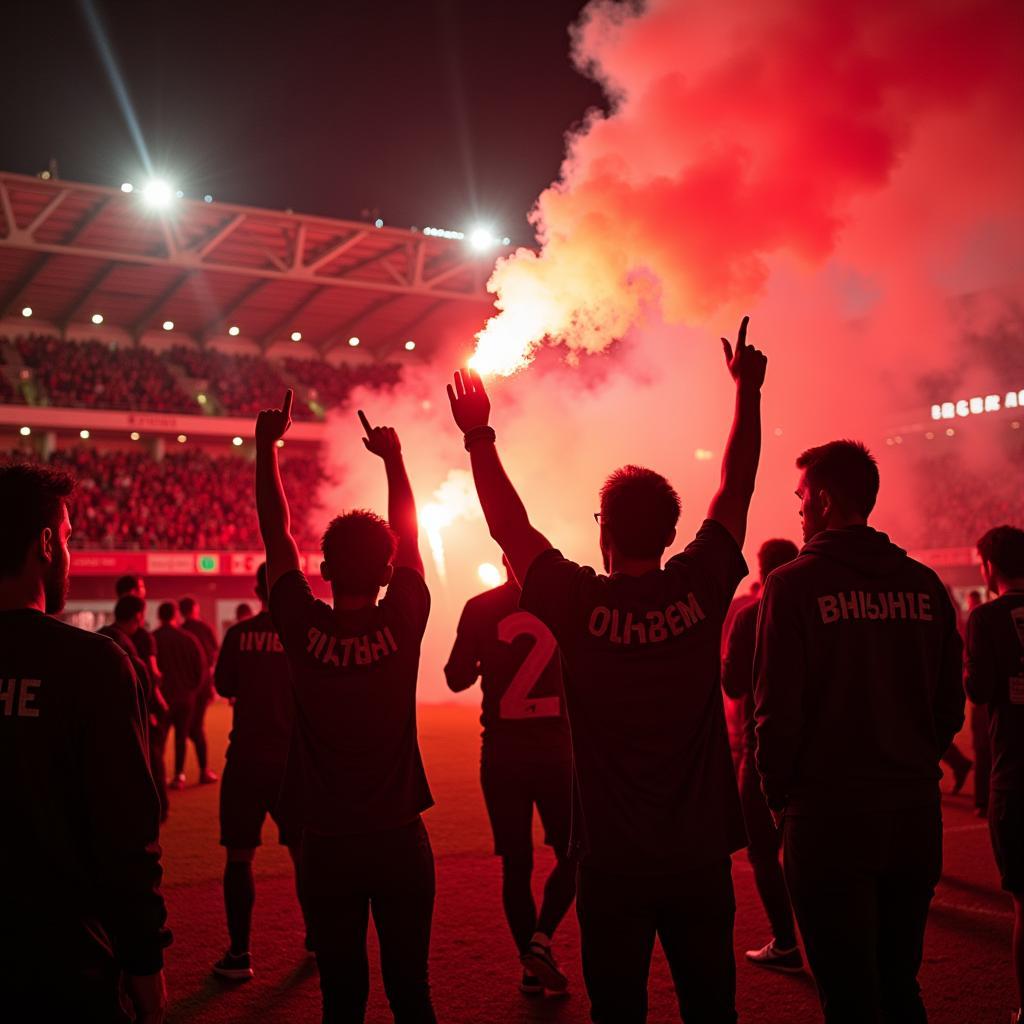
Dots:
pixel 746 616
pixel 91 652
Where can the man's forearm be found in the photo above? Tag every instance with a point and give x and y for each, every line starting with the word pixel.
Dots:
pixel 271 503
pixel 503 508
pixel 743 449
pixel 401 502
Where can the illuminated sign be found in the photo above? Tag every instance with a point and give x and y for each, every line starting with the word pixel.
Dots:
pixel 978 405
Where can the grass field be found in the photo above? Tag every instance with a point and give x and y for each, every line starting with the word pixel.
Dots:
pixel 966 974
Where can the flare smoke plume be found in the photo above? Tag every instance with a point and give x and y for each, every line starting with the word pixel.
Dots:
pixel 844 172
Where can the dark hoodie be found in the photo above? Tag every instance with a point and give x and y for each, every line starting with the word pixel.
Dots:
pixel 857 677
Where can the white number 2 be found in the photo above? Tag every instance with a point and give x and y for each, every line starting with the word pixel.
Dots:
pixel 516 701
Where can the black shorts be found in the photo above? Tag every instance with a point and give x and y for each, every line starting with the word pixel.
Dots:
pixel 248 793
pixel 1006 827
pixel 512 784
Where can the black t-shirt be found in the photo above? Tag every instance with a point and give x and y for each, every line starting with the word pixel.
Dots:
pixel 127 644
pixel 252 669
pixel 354 674
pixel 182 664
pixel 144 645
pixel 995 676
pixel 738 669
pixel 79 815
pixel 655 784
pixel 516 657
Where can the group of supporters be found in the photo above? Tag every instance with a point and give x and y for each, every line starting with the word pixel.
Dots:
pixel 602 707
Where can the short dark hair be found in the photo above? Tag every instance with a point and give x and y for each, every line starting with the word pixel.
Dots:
pixel 243 610
pixel 128 607
pixel 1003 548
pixel 126 584
pixel 774 553
pixel 847 470
pixel 358 546
pixel 261 584
pixel 639 509
pixel 187 605
pixel 166 611
pixel 31 498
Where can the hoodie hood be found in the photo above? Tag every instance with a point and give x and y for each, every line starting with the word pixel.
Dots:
pixel 859 547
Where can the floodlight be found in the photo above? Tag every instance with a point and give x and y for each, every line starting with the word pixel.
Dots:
pixel 354 342
pixel 296 335
pixel 236 441
pixel 234 330
pixel 158 193
pixel 182 438
pixel 25 431
pixel 280 442
pixel 207 198
pixel 26 310
pixel 490 575
pixel 135 435
pixel 410 345
pixel 378 223
pixel 84 435
pixel 127 186
pixel 168 325
pixel 480 238
pixel 97 318
pixel 201 398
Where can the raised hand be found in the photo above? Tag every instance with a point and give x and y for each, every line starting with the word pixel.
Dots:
pixel 273 424
pixel 382 441
pixel 470 405
pixel 746 364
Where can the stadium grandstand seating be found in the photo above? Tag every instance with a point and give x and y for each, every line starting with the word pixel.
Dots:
pixel 189 500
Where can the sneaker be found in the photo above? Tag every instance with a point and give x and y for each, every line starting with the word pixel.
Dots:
pixel 178 782
pixel 538 961
pixel 778 959
pixel 531 985
pixel 207 777
pixel 960 773
pixel 235 968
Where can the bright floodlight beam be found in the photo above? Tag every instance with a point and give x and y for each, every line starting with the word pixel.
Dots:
pixel 481 238
pixel 158 193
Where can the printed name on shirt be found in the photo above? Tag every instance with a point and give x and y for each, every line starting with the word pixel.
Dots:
pixel 342 651
pixel 18 696
pixel 891 605
pixel 647 627
pixel 260 640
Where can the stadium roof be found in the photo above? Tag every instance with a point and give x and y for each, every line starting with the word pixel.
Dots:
pixel 68 250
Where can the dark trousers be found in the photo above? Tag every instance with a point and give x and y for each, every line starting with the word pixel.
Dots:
pixel 197 725
pixel 861 886
pixel 344 879
pixel 691 912
pixel 179 717
pixel 763 848
pixel 157 765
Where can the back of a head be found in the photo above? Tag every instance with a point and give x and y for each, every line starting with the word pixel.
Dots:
pixel 358 548
pixel 126 585
pixel 774 553
pixel 261 584
pixel 1003 548
pixel 128 607
pixel 187 605
pixel 639 511
pixel 31 498
pixel 167 612
pixel 847 471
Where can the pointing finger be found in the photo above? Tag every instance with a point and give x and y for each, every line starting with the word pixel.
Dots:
pixel 286 407
pixel 365 422
pixel 742 342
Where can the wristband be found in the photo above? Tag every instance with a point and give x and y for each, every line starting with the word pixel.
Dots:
pixel 480 433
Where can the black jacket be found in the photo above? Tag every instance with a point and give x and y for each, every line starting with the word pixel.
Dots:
pixel 857 677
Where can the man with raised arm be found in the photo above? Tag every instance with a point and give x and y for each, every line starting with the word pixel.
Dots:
pixel 858 692
pixel 361 782
pixel 658 814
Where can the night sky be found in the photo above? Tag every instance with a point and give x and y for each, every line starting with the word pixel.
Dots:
pixel 433 112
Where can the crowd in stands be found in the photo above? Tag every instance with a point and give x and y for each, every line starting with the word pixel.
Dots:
pixel 91 374
pixel 189 500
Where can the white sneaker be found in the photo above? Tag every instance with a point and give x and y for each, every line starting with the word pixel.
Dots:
pixel 787 960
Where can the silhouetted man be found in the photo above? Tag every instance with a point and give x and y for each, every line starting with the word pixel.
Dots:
pixel 764 839
pixel 129 615
pixel 193 624
pixel 183 673
pixel 135 586
pixel 658 814
pixel 994 678
pixel 981 742
pixel 858 692
pixel 252 671
pixel 80 904
pixel 525 760
pixel 354 669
